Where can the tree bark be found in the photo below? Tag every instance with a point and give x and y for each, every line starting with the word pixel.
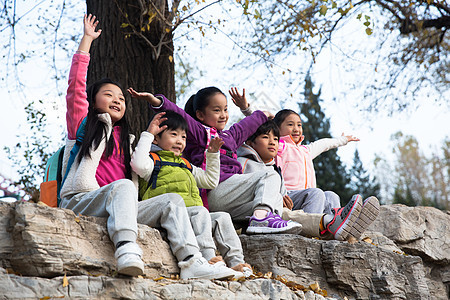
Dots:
pixel 131 61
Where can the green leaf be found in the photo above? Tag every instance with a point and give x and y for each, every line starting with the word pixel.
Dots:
pixel 369 31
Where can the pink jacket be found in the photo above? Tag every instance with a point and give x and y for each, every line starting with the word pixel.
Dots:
pixel 296 160
pixel 108 170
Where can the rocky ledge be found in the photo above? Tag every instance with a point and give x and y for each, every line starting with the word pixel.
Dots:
pixel 51 253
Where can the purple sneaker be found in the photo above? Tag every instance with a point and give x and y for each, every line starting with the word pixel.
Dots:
pixel 272 223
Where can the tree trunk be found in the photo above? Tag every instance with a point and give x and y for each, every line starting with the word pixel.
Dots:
pixel 127 58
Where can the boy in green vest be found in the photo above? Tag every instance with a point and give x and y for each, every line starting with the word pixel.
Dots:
pixel 158 162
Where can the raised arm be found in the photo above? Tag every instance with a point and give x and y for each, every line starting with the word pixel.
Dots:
pixel 90 33
pixel 77 106
pixel 322 145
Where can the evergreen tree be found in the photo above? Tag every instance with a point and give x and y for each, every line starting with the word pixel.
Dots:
pixel 331 174
pixel 404 197
pixel 361 182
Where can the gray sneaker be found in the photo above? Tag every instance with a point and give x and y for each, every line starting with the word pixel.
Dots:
pixel 369 212
pixel 344 218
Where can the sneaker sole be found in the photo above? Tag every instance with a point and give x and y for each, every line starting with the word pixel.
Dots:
pixel 369 213
pixel 133 270
pixel 344 230
pixel 222 276
pixel 267 230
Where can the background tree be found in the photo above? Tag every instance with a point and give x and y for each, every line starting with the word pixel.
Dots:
pixel 361 181
pixel 331 174
pixel 415 178
pixel 410 56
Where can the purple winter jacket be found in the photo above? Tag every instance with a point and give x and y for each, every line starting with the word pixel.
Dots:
pixel 233 138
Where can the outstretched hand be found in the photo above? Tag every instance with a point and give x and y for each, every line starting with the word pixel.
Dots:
pixel 215 144
pixel 238 99
pixel 351 138
pixel 90 25
pixel 154 126
pixel 145 96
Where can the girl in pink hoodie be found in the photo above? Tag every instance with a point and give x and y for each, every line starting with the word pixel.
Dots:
pixel 296 162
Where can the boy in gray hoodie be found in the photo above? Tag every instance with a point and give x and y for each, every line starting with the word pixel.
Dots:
pixel 259 152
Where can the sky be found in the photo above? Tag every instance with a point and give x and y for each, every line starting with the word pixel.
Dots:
pixel 429 123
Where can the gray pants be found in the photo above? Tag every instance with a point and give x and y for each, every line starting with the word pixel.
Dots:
pixel 314 200
pixel 226 239
pixel 118 202
pixel 241 194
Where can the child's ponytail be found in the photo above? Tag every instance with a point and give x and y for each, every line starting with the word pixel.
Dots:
pixel 189 107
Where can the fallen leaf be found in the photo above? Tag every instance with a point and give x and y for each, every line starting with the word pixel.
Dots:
pixel 367 240
pixel 65 281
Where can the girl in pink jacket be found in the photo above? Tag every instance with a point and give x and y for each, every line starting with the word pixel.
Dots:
pixel 296 162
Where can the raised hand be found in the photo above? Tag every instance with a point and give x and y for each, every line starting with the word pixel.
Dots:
pixel 154 126
pixel 90 33
pixel 238 99
pixel 90 24
pixel 145 96
pixel 351 138
pixel 215 144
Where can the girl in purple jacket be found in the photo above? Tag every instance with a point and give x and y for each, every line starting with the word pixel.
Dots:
pixel 241 195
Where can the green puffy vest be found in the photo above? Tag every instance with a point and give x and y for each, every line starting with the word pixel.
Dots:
pixel 172 179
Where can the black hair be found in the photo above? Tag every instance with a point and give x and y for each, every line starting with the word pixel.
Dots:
pixel 174 121
pixel 96 129
pixel 282 115
pixel 200 101
pixel 265 128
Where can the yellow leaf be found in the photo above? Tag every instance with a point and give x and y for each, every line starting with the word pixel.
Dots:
pixel 170 58
pixel 368 31
pixel 184 8
pixel 65 281
pixel 367 239
pixel 267 51
pixel 123 25
pixel 77 219
pixel 315 287
pixel 167 29
pixel 323 10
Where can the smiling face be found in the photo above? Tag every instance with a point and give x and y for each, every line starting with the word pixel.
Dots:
pixel 216 113
pixel 292 126
pixel 172 140
pixel 109 99
pixel 266 145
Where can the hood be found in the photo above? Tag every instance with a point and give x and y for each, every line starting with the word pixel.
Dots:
pixel 248 152
pixel 155 148
pixel 288 139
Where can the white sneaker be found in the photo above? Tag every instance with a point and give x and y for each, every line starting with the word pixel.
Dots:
pixel 247 272
pixel 129 260
pixel 199 268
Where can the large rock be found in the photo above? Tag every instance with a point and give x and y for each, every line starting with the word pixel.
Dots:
pixel 39 245
pixel 49 242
